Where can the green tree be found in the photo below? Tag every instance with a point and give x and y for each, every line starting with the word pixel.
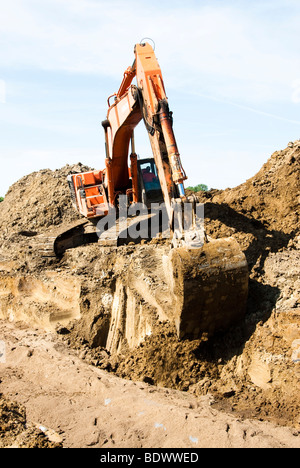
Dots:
pixel 1 199
pixel 198 188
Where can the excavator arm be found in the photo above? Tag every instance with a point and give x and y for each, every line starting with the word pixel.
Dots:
pixel 147 101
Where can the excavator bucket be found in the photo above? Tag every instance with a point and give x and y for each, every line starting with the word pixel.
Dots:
pixel 211 286
pixel 199 292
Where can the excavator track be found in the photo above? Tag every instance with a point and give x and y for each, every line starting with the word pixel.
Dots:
pixel 125 231
pixel 57 241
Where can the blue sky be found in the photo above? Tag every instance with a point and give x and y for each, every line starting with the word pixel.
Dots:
pixel 231 70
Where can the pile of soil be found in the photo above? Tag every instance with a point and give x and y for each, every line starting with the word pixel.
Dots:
pixel 264 212
pixel 272 196
pixel 35 204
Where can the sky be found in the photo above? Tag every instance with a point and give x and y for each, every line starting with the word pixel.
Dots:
pixel 231 70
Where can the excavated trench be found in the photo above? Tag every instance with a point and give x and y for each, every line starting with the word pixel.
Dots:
pixel 117 306
pixel 117 296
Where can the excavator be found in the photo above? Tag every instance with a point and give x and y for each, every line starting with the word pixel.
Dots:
pixel 213 273
pixel 153 180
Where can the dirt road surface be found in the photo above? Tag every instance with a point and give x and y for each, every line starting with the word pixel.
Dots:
pixel 87 407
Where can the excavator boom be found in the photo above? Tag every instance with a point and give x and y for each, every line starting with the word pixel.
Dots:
pixel 147 101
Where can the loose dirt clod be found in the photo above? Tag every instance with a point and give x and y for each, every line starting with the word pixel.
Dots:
pixel 16 432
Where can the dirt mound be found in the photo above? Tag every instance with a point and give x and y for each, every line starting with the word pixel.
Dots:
pixel 271 197
pixel 37 203
pixel 263 214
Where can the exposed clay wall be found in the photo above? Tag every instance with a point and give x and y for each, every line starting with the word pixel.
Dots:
pixel 42 302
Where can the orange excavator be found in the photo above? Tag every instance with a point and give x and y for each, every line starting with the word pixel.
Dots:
pixel 209 277
pixel 157 179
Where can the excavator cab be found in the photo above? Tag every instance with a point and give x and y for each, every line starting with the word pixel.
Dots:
pixel 149 184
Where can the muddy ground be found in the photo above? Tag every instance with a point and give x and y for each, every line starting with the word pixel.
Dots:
pixel 251 372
